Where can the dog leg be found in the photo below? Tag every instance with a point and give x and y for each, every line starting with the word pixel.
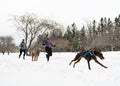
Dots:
pixel 100 63
pixel 32 58
pixel 36 58
pixel 71 62
pixel 89 64
pixel 77 60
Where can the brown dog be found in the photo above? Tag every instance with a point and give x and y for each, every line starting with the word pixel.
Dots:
pixel 88 55
pixel 35 54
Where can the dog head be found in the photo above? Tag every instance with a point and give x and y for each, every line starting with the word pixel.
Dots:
pixel 39 49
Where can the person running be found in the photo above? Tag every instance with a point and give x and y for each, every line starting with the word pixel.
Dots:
pixel 23 49
pixel 48 46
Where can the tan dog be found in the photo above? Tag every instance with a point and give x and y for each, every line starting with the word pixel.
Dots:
pixel 35 54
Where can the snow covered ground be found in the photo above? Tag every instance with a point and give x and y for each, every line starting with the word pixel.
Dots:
pixel 58 72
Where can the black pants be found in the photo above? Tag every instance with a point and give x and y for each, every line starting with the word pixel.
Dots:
pixel 49 52
pixel 24 52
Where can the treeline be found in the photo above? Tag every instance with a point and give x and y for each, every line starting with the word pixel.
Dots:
pixel 104 35
pixel 7 45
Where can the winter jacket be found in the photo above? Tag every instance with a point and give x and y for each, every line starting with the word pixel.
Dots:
pixel 47 42
pixel 23 46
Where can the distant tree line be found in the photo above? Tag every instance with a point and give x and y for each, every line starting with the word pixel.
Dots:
pixel 104 35
pixel 7 45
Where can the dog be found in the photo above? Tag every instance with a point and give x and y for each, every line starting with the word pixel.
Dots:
pixel 35 54
pixel 89 55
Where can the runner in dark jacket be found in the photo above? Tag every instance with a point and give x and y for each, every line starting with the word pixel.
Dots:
pixel 48 47
pixel 23 48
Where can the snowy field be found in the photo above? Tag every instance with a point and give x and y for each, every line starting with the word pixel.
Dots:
pixel 58 72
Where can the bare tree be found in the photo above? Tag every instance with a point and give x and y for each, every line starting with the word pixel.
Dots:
pixel 7 45
pixel 31 26
pixel 10 46
pixel 2 45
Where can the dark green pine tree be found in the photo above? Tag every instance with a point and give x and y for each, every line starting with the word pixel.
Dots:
pixel 68 34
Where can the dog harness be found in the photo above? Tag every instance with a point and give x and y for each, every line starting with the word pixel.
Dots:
pixel 91 52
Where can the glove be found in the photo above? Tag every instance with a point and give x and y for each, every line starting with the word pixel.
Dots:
pixel 43 43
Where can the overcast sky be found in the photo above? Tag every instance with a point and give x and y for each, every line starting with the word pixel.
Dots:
pixel 63 11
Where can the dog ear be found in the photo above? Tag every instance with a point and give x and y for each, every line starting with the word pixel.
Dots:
pixel 40 49
pixel 99 50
